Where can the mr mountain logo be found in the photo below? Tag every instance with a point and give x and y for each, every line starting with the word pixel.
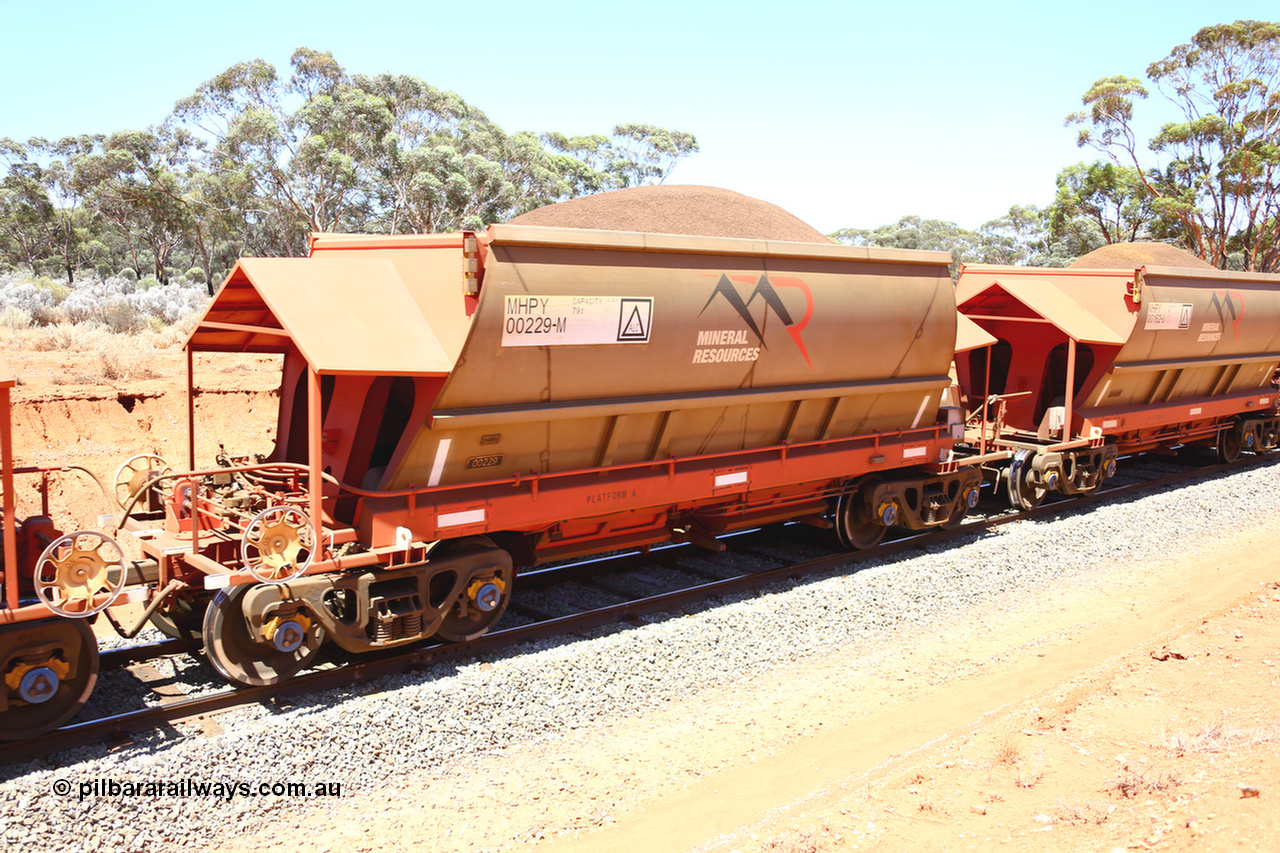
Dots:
pixel 1229 304
pixel 717 346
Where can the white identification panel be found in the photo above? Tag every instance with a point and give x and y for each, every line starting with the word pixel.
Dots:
pixel 1168 315
pixel 541 321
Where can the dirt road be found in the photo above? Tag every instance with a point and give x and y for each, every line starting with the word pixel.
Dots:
pixel 1117 715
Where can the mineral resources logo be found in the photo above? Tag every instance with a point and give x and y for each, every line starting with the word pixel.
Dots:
pixel 1230 303
pixel 717 346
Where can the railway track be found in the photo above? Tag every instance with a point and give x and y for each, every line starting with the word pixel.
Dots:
pixel 754 559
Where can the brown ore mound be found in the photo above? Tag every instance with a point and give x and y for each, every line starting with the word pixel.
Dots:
pixel 1134 255
pixel 698 211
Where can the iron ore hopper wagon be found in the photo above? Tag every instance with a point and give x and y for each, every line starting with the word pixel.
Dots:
pixel 456 407
pixel 1091 363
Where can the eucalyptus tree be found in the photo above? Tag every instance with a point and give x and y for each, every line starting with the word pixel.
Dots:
pixel 1021 238
pixel 74 227
pixel 914 232
pixel 1110 197
pixel 441 164
pixel 1217 170
pixel 26 211
pixel 139 179
pixel 634 155
pixel 298 168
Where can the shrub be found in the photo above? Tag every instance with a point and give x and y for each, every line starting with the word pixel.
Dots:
pixel 170 303
pixel 13 318
pixel 120 317
pixel 38 303
pixel 59 291
pixel 195 274
pixel 90 300
pixel 129 273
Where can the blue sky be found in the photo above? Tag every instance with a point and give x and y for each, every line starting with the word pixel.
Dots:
pixel 846 114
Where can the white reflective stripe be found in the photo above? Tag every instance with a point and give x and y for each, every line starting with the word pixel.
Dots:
pixel 217 581
pixel 132 595
pixel 1197 410
pixel 453 519
pixel 1103 395
pixel 913 452
pixel 1265 401
pixel 920 412
pixel 437 467
pixel 1110 423
pixel 731 479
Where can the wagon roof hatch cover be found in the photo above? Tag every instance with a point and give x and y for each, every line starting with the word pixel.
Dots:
pixel 351 315
pixel 969 335
pixel 1041 296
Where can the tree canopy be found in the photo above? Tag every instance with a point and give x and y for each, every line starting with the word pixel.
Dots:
pixel 254 161
pixel 1212 179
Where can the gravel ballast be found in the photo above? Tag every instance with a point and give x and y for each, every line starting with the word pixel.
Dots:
pixel 442 719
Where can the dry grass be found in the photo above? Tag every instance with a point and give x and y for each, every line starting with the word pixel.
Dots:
pixel 1131 783
pixel 120 356
pixel 1082 813
pixel 1028 777
pixel 1219 737
pixel 88 336
pixel 1008 750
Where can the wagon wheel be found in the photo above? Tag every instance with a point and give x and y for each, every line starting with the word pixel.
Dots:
pixel 856 528
pixel 180 618
pixel 1023 493
pixel 45 692
pixel 135 474
pixel 243 659
pixel 76 569
pixel 481 603
pixel 276 546
pixel 1229 445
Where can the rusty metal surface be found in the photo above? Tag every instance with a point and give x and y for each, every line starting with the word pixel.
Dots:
pixel 592 348
pixel 1086 306
pixel 570 351
pixel 346 314
pixel 971 336
pixel 374 665
pixel 1191 344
